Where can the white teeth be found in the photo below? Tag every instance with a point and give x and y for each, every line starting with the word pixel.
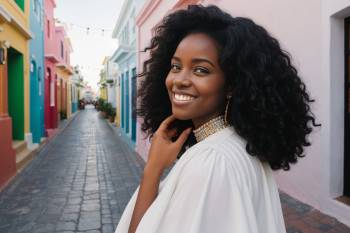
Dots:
pixel 183 97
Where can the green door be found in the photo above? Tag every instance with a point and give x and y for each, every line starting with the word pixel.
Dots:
pixel 16 93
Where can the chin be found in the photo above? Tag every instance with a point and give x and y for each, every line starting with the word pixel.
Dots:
pixel 181 115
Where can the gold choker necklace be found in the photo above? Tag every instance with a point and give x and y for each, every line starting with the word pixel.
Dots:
pixel 214 125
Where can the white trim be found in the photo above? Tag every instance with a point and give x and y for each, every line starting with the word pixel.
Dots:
pixel 4 15
pixel 124 10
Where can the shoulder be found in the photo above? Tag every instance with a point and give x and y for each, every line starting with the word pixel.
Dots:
pixel 225 159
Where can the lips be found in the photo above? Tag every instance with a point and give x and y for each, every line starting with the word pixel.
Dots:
pixel 180 98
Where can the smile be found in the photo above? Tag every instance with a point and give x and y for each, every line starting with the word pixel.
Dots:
pixel 180 98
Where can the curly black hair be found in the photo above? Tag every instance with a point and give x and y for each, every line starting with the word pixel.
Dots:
pixel 270 106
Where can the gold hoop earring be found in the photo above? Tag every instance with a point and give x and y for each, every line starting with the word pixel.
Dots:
pixel 226 110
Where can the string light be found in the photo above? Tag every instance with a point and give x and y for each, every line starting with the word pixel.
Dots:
pixel 88 29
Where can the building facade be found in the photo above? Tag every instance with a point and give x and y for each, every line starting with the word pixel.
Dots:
pixel 126 60
pixel 51 59
pixel 36 60
pixel 64 72
pixel 14 83
pixel 316 39
pixel 77 85
pixel 109 70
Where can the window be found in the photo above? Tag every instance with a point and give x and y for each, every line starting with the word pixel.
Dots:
pixel 35 7
pixel 39 81
pixel 133 18
pixel 62 50
pixel 20 4
pixel 347 111
pixel 48 28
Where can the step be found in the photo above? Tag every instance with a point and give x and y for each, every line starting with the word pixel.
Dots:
pixel 19 146
pixel 43 139
pixel 23 158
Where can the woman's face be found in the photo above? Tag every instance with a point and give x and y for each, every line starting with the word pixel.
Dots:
pixel 195 82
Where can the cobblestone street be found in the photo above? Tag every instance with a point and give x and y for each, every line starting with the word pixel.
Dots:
pixel 82 180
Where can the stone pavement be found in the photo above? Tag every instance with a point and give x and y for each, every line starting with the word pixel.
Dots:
pixel 82 180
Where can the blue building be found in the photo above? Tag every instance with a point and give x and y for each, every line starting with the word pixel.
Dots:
pixel 125 58
pixel 37 70
pixel 76 81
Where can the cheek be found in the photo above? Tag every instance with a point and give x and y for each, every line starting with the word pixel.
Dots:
pixel 212 89
pixel 168 82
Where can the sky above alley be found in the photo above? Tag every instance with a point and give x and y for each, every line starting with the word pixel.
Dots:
pixel 90 46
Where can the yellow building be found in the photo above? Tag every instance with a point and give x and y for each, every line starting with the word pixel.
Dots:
pixel 103 86
pixel 64 103
pixel 14 71
pixel 64 72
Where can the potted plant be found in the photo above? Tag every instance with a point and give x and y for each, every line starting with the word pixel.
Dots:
pixel 63 115
pixel 104 109
pixel 112 114
pixel 99 104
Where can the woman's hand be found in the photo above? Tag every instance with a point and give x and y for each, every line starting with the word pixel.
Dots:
pixel 162 154
pixel 164 151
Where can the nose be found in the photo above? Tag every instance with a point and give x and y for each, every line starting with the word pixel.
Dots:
pixel 182 80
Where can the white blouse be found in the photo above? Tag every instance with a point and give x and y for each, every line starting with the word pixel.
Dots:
pixel 215 187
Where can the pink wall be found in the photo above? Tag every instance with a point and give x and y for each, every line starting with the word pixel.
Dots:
pixel 51 58
pixel 61 37
pixel 315 39
pixel 49 32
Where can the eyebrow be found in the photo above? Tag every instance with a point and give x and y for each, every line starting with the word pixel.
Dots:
pixel 196 60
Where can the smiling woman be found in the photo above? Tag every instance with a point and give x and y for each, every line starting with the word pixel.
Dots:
pixel 228 80
pixel 196 80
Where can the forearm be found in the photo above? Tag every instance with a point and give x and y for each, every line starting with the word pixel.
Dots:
pixel 147 193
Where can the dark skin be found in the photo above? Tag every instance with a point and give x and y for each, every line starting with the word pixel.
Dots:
pixel 195 85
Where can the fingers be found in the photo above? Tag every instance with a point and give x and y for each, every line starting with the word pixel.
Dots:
pixel 172 133
pixel 183 137
pixel 165 124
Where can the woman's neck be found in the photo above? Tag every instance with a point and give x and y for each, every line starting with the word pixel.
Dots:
pixel 210 127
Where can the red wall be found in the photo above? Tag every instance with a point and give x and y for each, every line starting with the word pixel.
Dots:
pixel 7 153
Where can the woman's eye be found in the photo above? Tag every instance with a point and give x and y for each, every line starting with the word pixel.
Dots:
pixel 201 70
pixel 175 67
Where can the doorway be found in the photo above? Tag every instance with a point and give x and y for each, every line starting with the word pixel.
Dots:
pixel 347 110
pixel 16 92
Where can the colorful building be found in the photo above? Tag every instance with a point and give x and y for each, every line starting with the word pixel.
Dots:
pixel 103 91
pixel 14 84
pixel 125 58
pixel 36 60
pixel 316 39
pixel 109 69
pixel 64 72
pixel 77 84
pixel 51 59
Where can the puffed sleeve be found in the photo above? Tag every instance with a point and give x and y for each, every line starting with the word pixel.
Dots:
pixel 211 196
pixel 206 192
